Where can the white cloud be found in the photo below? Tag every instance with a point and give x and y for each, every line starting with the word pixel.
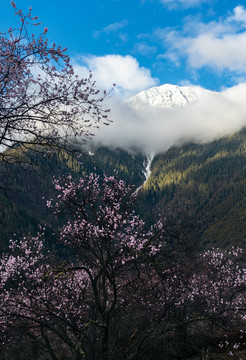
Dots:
pixel 125 71
pixel 154 130
pixel 115 26
pixel 172 4
pixel 111 28
pixel 219 45
pixel 221 53
pixel 143 48
pixel 239 14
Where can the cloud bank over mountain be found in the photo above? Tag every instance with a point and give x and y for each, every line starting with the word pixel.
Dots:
pixel 154 129
pixel 155 119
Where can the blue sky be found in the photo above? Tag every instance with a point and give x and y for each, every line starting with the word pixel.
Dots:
pixel 141 43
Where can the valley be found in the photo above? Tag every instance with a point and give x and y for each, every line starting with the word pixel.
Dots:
pixel 201 185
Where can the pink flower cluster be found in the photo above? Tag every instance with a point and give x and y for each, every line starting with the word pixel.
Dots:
pixel 116 273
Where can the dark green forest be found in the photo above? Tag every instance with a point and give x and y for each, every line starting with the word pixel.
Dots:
pixel 205 183
pixel 202 185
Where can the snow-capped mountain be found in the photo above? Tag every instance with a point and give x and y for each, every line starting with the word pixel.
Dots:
pixel 168 96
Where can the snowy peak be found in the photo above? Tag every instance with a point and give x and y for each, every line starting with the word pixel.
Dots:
pixel 168 96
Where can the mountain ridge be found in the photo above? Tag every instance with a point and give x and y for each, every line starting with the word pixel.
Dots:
pixel 168 96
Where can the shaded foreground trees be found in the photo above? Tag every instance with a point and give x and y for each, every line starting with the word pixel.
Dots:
pixel 119 291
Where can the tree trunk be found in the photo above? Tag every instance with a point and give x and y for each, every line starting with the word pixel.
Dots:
pixel 105 352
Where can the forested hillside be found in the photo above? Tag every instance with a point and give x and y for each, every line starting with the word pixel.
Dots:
pixel 26 188
pixel 204 183
pixel 200 184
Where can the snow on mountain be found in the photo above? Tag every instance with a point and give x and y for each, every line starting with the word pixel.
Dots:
pixel 167 96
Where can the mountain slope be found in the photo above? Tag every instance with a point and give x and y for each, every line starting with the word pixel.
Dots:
pixel 200 184
pixel 206 184
pixel 23 207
